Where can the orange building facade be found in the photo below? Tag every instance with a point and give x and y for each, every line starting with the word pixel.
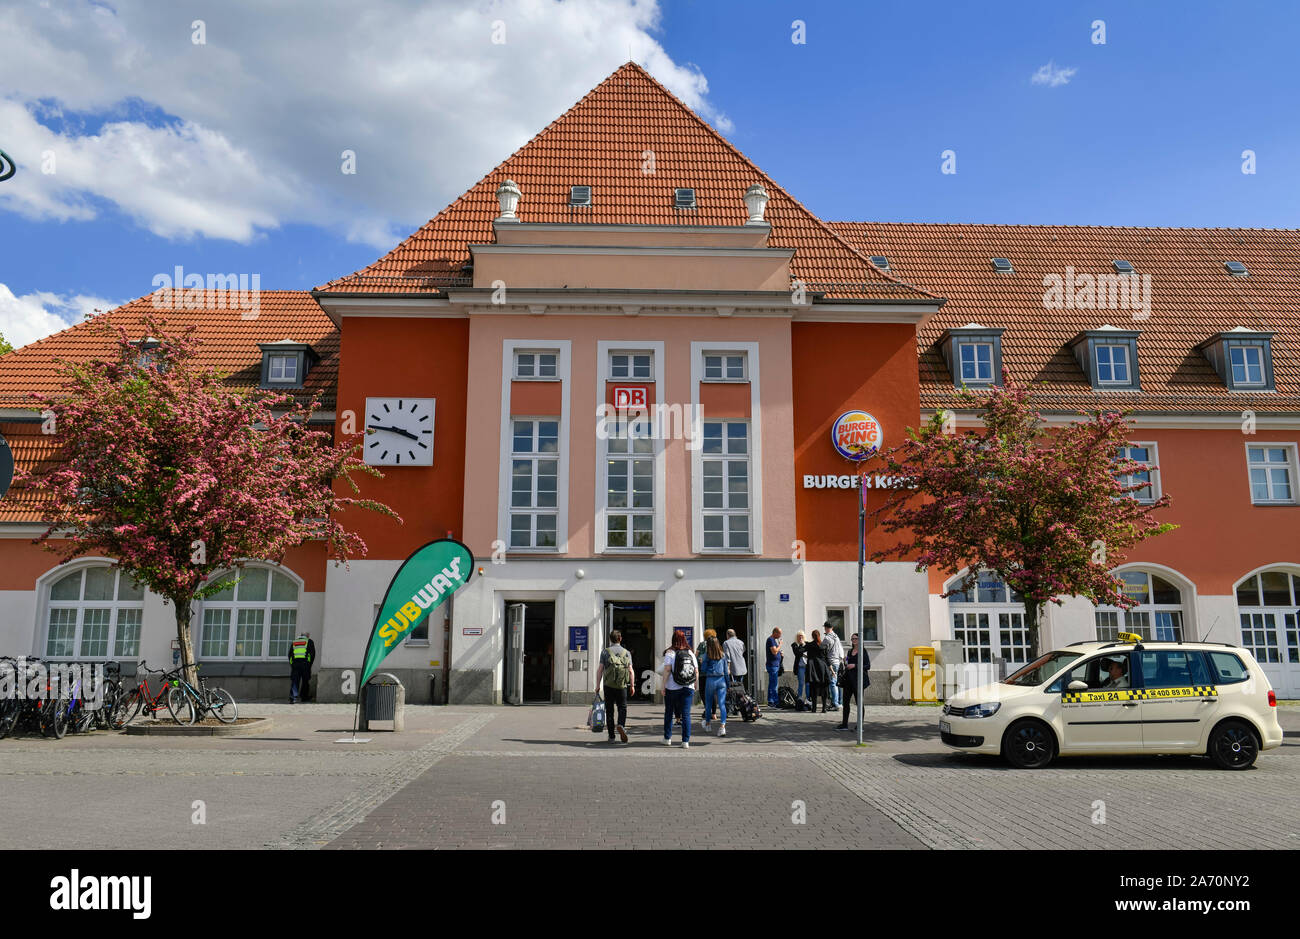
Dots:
pixel 614 368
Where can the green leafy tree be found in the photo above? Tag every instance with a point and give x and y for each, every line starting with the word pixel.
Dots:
pixel 1044 509
pixel 5 346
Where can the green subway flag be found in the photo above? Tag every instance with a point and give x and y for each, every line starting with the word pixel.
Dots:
pixel 422 584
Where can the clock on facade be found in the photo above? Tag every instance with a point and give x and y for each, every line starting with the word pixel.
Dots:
pixel 399 431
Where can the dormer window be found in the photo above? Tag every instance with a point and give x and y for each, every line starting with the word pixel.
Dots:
pixel 1109 357
pixel 285 363
pixel 1243 358
pixel 148 356
pixel 974 355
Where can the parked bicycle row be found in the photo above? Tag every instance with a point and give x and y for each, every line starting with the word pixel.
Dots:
pixel 55 698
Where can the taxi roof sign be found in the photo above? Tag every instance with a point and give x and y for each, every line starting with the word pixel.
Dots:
pixel 1129 637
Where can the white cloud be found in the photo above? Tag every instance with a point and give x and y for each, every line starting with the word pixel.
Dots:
pixel 258 117
pixel 1051 76
pixel 36 315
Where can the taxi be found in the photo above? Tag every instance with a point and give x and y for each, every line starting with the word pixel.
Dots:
pixel 1123 697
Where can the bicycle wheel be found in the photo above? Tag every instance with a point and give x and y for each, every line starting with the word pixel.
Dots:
pixel 125 709
pixel 54 718
pixel 105 710
pixel 222 705
pixel 181 706
pixel 10 710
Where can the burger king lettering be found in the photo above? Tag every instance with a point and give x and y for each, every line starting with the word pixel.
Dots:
pixel 855 434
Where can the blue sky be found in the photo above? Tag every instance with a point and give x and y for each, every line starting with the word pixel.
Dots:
pixel 222 156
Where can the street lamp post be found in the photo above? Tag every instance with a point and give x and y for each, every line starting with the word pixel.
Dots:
pixel 862 560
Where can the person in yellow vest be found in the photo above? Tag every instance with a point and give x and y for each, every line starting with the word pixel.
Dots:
pixel 301 654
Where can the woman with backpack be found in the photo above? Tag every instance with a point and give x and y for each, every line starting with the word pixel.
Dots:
pixel 714 669
pixel 681 678
pixel 819 672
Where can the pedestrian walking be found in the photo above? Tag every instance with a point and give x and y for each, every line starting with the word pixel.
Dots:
pixel 819 675
pixel 834 661
pixel 735 649
pixel 302 652
pixel 775 657
pixel 614 676
pixel 700 651
pixel 799 648
pixel 850 678
pixel 681 678
pixel 714 667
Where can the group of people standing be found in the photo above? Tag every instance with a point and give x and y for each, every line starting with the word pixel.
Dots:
pixel 822 670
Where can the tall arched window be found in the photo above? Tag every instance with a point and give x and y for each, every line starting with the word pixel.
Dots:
pixel 94 613
pixel 1158 615
pixel 254 617
pixel 989 622
pixel 1269 606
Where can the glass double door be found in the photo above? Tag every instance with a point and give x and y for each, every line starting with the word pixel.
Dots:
pixel 636 621
pixel 720 617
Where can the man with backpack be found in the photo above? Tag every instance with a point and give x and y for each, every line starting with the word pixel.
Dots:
pixel 616 670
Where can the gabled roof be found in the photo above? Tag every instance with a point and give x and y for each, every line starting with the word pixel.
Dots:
pixel 229 343
pixel 1192 298
pixel 602 141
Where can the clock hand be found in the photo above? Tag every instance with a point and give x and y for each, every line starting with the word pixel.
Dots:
pixel 397 430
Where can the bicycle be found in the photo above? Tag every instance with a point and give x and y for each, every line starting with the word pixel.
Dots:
pixel 129 704
pixel 186 703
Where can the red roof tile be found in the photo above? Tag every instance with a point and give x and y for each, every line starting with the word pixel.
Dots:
pixel 228 343
pixel 1192 298
pixel 602 141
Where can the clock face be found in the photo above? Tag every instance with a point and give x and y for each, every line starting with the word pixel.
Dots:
pixel 399 431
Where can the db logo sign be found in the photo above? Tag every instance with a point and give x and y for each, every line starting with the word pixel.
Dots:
pixel 854 433
pixel 629 398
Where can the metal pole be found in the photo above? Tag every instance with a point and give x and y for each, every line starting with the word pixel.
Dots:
pixel 862 557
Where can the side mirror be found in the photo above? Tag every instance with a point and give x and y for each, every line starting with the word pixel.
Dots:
pixel 1078 686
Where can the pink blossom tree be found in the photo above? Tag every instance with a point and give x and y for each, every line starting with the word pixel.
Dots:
pixel 178 475
pixel 1046 510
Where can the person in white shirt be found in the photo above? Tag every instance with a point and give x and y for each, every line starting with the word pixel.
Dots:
pixel 681 674
pixel 834 659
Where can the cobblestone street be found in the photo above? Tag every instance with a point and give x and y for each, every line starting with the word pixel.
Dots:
pixel 534 777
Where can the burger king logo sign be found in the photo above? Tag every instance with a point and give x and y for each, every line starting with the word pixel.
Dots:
pixel 855 434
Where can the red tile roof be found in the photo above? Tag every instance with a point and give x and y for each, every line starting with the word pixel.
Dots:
pixel 602 141
pixel 228 342
pixel 1192 298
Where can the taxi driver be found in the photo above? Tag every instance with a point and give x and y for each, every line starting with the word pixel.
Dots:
pixel 1117 677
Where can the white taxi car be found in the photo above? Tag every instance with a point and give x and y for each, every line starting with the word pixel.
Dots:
pixel 1126 697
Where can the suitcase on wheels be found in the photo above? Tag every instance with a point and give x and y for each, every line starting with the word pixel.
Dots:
pixel 740 703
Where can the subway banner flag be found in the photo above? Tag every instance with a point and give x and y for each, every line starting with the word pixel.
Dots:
pixel 422 584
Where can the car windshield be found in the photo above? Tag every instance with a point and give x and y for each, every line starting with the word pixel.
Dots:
pixel 1041 668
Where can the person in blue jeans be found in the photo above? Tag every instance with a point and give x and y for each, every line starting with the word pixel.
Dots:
pixel 678 661
pixel 774 656
pixel 714 669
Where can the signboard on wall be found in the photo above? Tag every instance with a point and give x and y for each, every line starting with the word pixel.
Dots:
pixel 630 396
pixel 577 638
pixel 856 434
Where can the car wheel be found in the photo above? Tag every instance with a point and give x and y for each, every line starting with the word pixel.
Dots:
pixel 1029 744
pixel 1233 745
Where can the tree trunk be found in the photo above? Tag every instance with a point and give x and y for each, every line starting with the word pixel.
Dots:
pixel 1031 625
pixel 183 636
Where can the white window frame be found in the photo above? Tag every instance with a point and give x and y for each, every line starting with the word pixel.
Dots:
pixel 1285 630
pixel 628 433
pixel 974 346
pixel 994 609
pixel 268 607
pixel 1151 609
pixel 724 378
pixel 1258 349
pixel 726 512
pixel 1123 350
pixel 564 347
pixel 1289 465
pixel 750 349
pixel 631 353
pixel 879 642
pixel 288 362
pixel 48 605
pixel 1153 475
pixel 658 432
pixel 536 365
pixel 534 456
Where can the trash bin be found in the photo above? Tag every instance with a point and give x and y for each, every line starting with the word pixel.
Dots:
pixel 921 661
pixel 385 701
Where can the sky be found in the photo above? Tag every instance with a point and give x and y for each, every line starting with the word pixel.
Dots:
pixel 210 134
